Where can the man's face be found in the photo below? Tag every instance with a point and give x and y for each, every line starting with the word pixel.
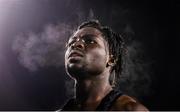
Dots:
pixel 87 53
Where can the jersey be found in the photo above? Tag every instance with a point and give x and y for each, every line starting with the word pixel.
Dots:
pixel 105 104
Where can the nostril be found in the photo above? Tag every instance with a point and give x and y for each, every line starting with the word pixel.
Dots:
pixel 79 46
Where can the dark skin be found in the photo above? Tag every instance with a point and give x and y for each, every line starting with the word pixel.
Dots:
pixel 88 61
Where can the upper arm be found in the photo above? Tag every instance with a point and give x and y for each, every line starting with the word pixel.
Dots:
pixel 126 103
pixel 134 106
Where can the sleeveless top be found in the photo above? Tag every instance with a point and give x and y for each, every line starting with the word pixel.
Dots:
pixel 104 105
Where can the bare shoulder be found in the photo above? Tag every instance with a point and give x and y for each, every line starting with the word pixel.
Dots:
pixel 127 103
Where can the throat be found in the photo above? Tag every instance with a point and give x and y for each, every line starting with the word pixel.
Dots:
pixel 90 93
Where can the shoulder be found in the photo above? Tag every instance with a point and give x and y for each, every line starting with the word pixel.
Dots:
pixel 128 103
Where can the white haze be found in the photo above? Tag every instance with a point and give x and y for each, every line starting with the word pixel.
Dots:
pixel 37 50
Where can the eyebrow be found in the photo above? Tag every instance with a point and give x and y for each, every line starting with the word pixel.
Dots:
pixel 88 35
pixel 85 35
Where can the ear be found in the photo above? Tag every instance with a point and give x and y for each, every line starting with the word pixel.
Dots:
pixel 111 61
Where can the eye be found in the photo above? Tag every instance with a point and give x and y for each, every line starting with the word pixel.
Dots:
pixel 68 44
pixel 89 41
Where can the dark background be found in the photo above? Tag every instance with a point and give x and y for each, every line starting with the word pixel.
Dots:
pixel 154 23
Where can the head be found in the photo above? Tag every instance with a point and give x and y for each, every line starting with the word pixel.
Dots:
pixel 92 49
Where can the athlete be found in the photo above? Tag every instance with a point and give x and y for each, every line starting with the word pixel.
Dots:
pixel 93 59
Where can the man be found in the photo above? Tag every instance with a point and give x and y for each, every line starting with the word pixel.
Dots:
pixel 94 60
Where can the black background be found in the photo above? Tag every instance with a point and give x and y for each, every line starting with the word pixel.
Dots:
pixel 156 24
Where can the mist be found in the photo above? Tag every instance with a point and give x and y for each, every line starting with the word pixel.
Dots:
pixel 43 49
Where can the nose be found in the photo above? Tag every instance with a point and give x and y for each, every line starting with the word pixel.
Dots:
pixel 78 45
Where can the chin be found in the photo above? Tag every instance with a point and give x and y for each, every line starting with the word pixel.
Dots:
pixel 76 71
pixel 74 68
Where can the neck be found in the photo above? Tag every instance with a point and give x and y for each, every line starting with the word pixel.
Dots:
pixel 92 91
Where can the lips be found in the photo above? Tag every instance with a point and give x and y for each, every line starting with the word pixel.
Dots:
pixel 75 54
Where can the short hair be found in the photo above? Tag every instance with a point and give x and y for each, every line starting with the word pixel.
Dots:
pixel 115 43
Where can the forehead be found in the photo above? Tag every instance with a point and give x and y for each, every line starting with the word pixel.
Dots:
pixel 87 31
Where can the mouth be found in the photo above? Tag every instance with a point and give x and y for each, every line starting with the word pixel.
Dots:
pixel 75 54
